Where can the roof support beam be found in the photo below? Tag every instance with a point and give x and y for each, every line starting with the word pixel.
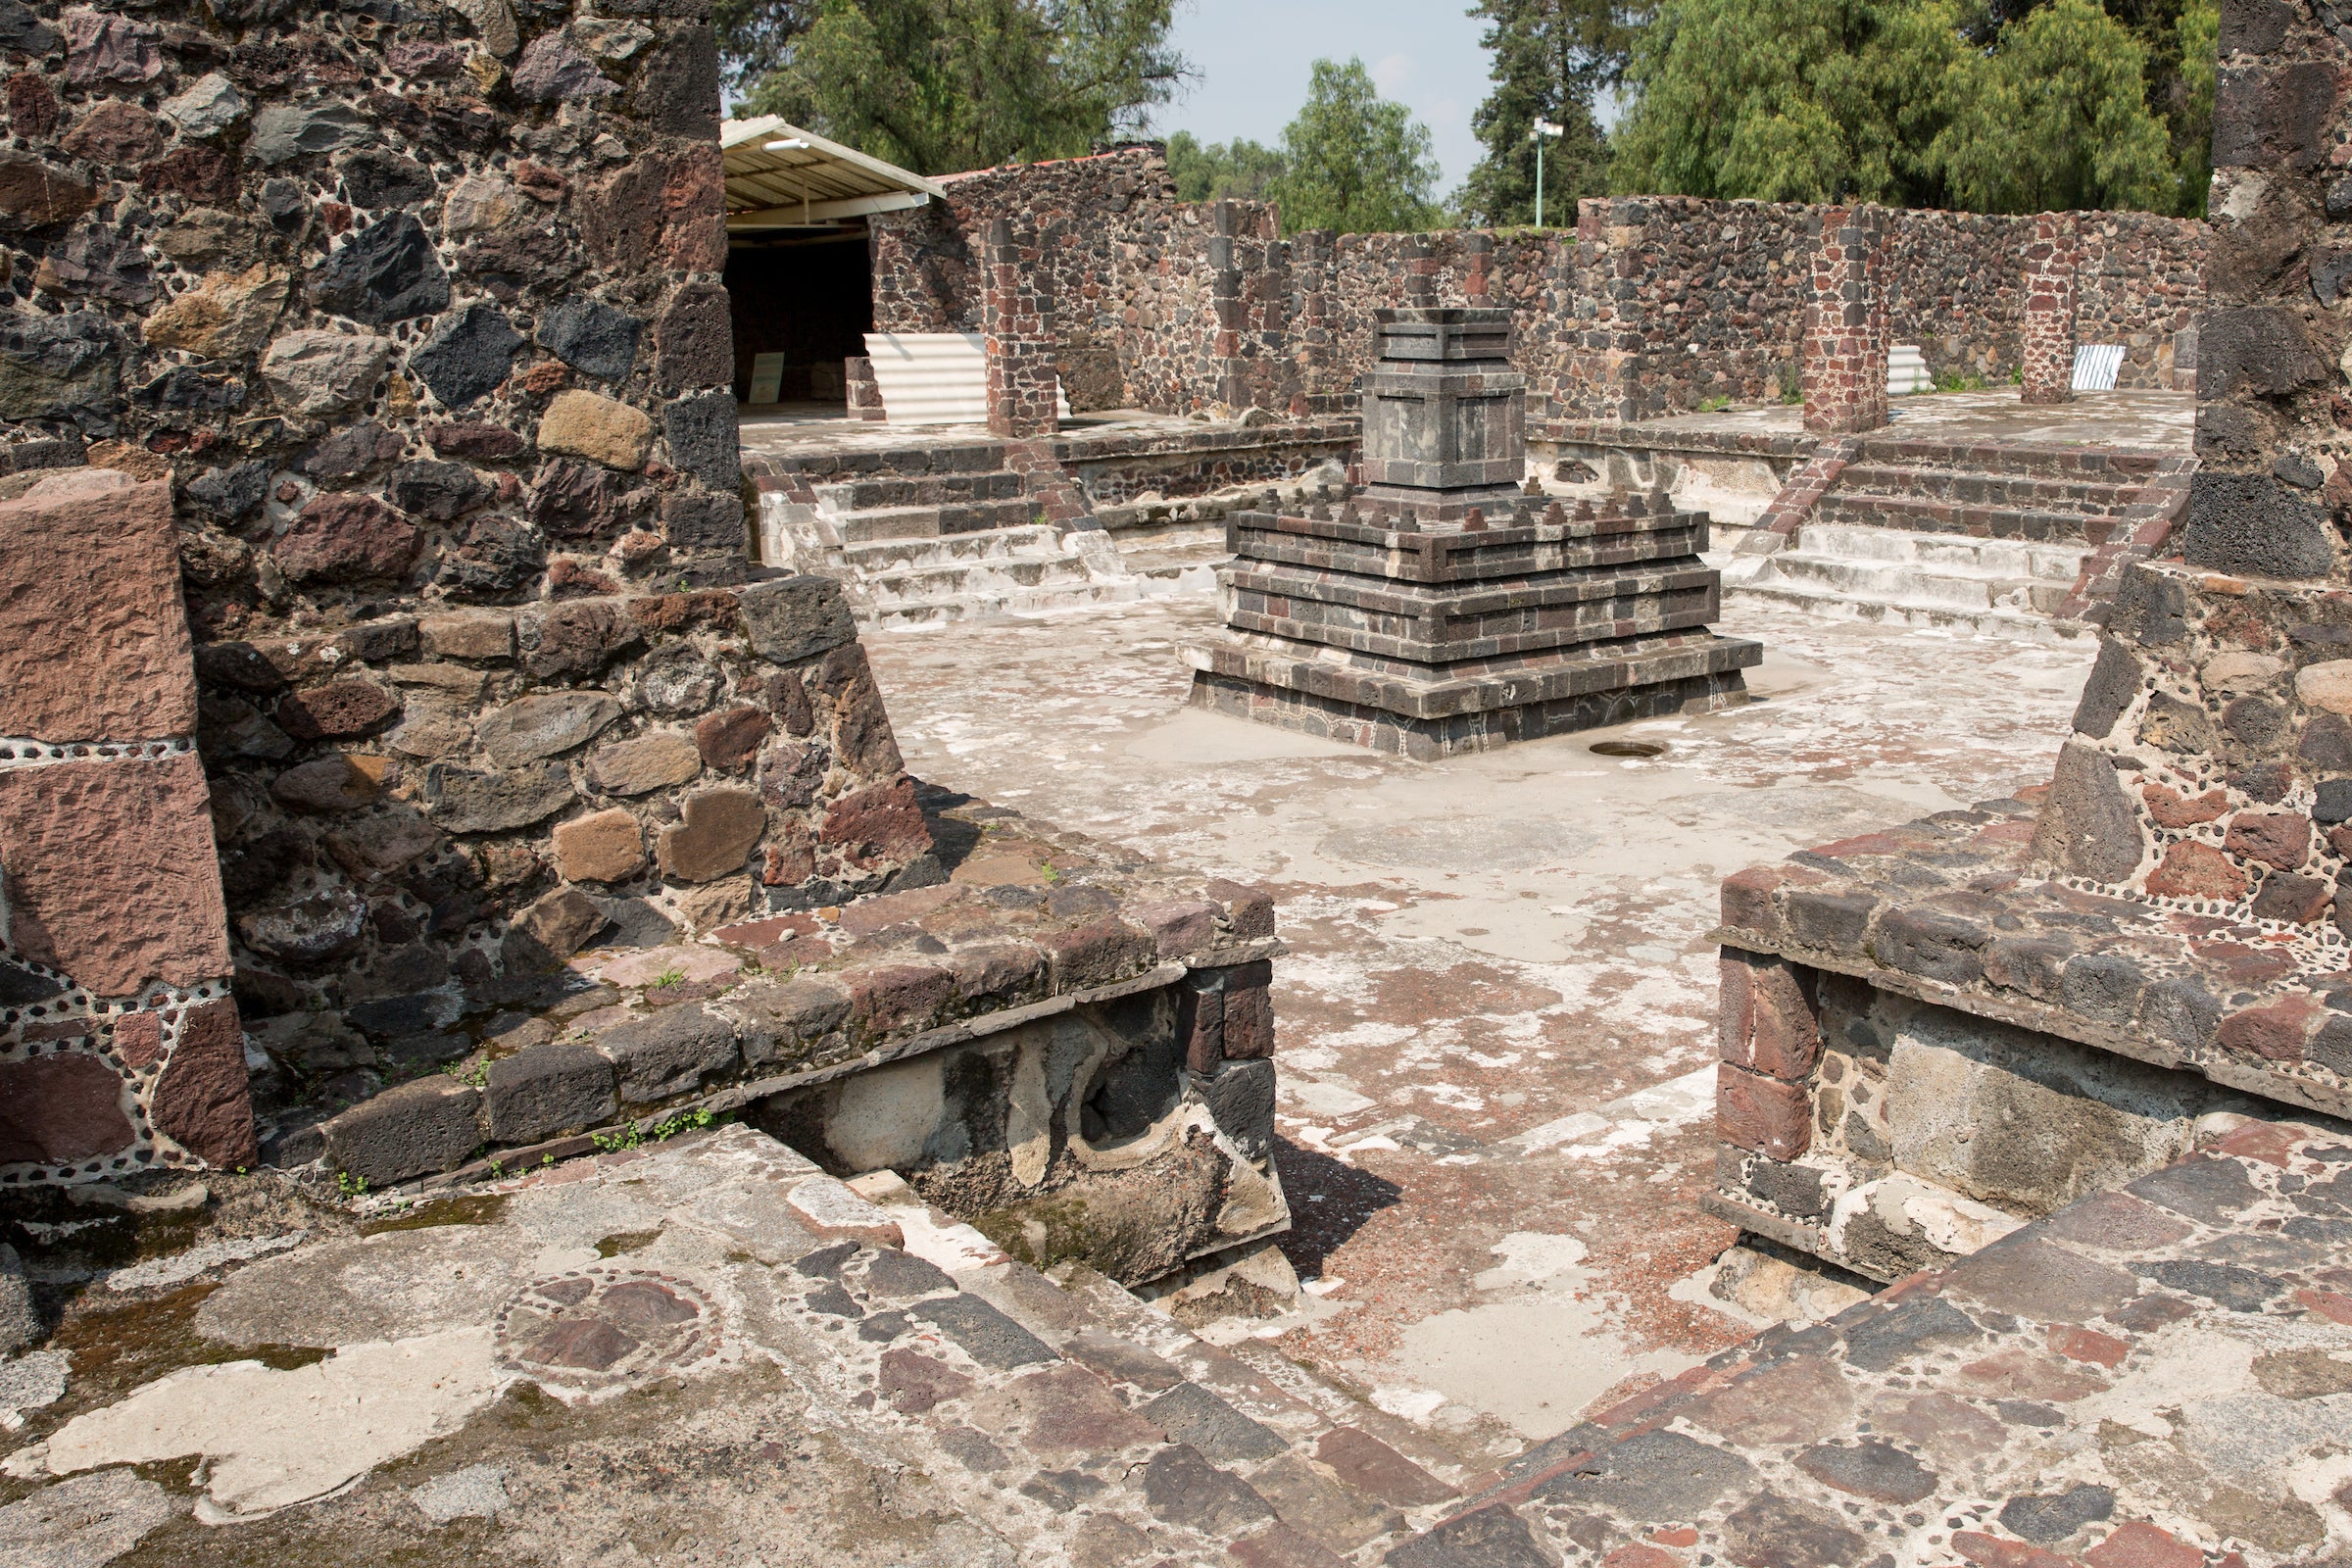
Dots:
pixel 800 215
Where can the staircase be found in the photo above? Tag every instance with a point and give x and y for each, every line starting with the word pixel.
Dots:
pixel 928 536
pixel 1985 536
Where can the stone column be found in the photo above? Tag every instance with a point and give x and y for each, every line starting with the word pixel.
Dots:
pixel 1845 324
pixel 2050 258
pixel 120 1048
pixel 1420 275
pixel 1017 325
pixel 1478 268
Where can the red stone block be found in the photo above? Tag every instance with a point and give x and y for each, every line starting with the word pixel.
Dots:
pixel 1095 954
pixel 1991 1551
pixel 341 709
pixel 91 551
pixel 2282 839
pixel 1249 1022
pixel 138 1039
pixel 2088 1345
pixel 876 825
pixel 2140 1544
pixel 1747 899
pixel 893 997
pixel 112 875
pixel 1768 1020
pixel 202 1102
pixel 1763 1115
pixel 58 1109
pixel 2193 870
pixel 2275 1031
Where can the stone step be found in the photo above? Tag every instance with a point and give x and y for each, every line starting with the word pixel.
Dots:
pixel 912 613
pixel 928 490
pixel 1944 551
pixel 2122 465
pixel 931 522
pixel 1974 488
pixel 1829 604
pixel 1895 582
pixel 1925 516
pixel 991 544
pixel 979 579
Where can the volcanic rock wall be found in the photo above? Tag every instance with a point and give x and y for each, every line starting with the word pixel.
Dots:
pixel 1649 306
pixel 408 318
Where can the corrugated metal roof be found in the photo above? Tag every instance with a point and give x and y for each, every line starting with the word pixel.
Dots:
pixel 781 176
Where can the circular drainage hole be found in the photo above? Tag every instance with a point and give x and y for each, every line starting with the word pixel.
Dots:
pixel 1627 749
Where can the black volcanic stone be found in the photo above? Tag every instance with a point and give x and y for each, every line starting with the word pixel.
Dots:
pixel 468 355
pixel 386 272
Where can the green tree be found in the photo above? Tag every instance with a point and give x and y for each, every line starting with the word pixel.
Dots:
pixel 755 36
pixel 1790 100
pixel 1551 58
pixel 2056 119
pixel 1354 161
pixel 941 85
pixel 2190 110
pixel 1240 170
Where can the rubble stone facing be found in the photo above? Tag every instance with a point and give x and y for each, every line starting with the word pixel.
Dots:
pixel 1184 307
pixel 333 243
pixel 2051 260
pixel 1016 329
pixel 1847 325
pixel 2175 898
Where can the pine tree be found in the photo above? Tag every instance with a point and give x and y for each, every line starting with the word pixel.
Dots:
pixel 1551 59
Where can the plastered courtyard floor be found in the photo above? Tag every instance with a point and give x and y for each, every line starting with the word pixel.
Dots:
pixel 1496 1022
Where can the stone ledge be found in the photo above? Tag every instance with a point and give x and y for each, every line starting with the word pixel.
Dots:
pixel 1947 910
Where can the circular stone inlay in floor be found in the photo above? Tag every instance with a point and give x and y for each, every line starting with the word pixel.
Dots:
pixel 602 1328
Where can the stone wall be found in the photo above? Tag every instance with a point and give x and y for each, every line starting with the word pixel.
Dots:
pixel 1092 217
pixel 1652 304
pixel 120 1049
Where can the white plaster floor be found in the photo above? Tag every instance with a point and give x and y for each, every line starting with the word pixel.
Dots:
pixel 1496 1022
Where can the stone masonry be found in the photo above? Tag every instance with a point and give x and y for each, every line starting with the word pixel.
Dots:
pixel 2051 257
pixel 1411 621
pixel 1647 307
pixel 1844 367
pixel 120 1047
pixel 1017 334
pixel 1934 1033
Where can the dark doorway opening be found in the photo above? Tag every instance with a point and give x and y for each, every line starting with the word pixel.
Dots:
pixel 803 301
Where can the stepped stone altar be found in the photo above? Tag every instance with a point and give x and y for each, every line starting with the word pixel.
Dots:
pixel 1438 609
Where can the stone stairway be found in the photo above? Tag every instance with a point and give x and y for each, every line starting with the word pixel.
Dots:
pixel 928 536
pixel 1985 536
pixel 1916 578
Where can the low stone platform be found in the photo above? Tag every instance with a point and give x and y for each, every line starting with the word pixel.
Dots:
pixel 1054 1038
pixel 641 1354
pixel 2155 1376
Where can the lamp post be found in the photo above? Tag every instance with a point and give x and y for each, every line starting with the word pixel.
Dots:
pixel 1543 129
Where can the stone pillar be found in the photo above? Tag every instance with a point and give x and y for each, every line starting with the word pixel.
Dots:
pixel 1445 415
pixel 1845 324
pixel 1017 325
pixel 1478 268
pixel 120 1048
pixel 1420 275
pixel 2050 258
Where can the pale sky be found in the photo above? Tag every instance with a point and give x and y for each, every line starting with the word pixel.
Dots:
pixel 1252 58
